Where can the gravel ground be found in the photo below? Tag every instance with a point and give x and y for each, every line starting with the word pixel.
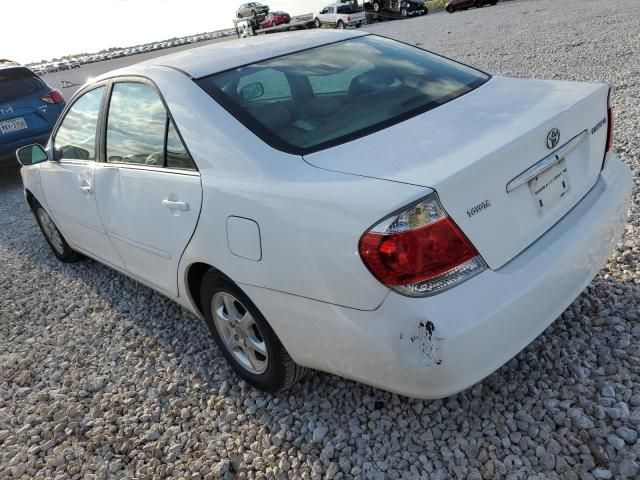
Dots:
pixel 101 376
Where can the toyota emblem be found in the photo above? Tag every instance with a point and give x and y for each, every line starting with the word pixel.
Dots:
pixel 553 137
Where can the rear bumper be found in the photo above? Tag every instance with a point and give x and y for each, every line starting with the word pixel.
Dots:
pixel 436 346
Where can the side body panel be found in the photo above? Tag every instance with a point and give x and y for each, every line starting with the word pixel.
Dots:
pixel 310 220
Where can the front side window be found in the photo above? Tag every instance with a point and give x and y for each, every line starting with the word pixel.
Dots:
pixel 339 92
pixel 139 130
pixel 76 137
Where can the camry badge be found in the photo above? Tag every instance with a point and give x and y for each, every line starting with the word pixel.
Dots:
pixel 553 137
pixel 6 110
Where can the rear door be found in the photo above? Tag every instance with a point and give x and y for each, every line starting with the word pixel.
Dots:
pixel 68 181
pixel 148 190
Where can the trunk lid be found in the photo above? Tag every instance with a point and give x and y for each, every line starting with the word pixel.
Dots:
pixel 472 148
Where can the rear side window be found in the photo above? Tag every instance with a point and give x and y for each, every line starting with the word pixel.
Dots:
pixel 139 130
pixel 76 137
pixel 17 83
pixel 338 92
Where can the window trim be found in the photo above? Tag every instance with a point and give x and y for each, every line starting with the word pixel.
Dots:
pixel 80 93
pixel 274 141
pixel 105 117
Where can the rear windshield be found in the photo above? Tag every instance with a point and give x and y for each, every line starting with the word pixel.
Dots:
pixel 324 96
pixel 18 82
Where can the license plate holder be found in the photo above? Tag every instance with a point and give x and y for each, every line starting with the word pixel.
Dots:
pixel 13 125
pixel 548 188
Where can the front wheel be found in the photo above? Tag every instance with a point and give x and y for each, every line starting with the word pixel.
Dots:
pixel 493 3
pixel 253 13
pixel 340 25
pixel 317 22
pixel 245 338
pixel 450 9
pixel 52 235
pixel 376 7
pixel 404 12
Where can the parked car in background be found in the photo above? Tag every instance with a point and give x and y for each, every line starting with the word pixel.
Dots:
pixel 29 108
pixel 454 5
pixel 274 19
pixel 340 15
pixel 326 212
pixel 403 7
pixel 251 9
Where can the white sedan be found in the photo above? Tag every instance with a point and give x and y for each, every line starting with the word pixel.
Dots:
pixel 339 201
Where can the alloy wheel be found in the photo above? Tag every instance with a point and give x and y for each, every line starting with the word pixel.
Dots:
pixel 239 333
pixel 51 231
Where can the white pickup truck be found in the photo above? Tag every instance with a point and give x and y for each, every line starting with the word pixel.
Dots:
pixel 340 15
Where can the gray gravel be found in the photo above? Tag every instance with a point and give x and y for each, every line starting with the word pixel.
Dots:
pixel 102 377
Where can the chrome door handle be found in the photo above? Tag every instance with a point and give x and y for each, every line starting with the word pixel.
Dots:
pixel 88 189
pixel 175 205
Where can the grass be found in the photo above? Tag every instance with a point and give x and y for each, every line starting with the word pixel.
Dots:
pixel 435 4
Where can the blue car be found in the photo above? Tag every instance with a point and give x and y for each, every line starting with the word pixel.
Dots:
pixel 29 109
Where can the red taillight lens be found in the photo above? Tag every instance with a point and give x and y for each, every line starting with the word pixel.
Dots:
pixel 54 96
pixel 609 129
pixel 419 251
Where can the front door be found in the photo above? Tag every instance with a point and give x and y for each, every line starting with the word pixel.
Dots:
pixel 68 181
pixel 149 191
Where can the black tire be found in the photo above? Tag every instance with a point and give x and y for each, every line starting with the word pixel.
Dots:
pixel 479 4
pixel 317 23
pixel 340 25
pixel 239 15
pixel 62 251
pixel 376 7
pixel 253 13
pixel 281 371
pixel 450 9
pixel 493 3
pixel 404 12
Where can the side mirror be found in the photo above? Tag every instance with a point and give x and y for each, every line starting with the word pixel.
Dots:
pixel 31 154
pixel 251 91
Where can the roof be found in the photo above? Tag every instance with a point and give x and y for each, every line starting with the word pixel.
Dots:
pixel 217 57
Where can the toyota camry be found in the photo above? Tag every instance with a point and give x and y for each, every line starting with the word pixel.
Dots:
pixel 339 201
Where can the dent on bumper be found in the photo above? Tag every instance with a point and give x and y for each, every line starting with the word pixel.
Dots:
pixel 437 346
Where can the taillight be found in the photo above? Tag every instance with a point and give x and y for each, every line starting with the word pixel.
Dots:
pixel 609 143
pixel 419 251
pixel 54 96
pixel 609 129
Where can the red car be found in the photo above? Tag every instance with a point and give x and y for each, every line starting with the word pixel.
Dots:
pixel 453 5
pixel 275 18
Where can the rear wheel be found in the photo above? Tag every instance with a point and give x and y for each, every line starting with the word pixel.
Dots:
pixel 52 235
pixel 404 12
pixel 450 9
pixel 340 25
pixel 493 2
pixel 253 13
pixel 478 4
pixel 245 338
pixel 376 7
